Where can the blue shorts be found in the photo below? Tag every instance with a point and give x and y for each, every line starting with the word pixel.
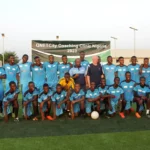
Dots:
pixel 59 111
pixel 1 93
pixel 88 106
pixel 114 105
pixel 29 109
pixel 76 107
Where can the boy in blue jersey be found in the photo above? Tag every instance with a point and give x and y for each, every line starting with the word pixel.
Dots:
pixel 11 99
pixel 30 99
pixel 59 99
pixel 109 71
pixel 77 101
pixel 104 97
pixel 145 71
pixel 141 97
pixel 45 102
pixel 51 68
pixel 64 67
pixel 127 86
pixel 2 76
pixel 121 69
pixel 84 63
pixel 25 73
pixel 12 72
pixel 116 96
pixel 92 97
pixel 134 69
pixel 38 74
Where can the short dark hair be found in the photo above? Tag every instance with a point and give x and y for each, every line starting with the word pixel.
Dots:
pixel 67 73
pixel 45 85
pixel 146 58
pixel 128 72
pixel 12 82
pixel 51 56
pixel 30 83
pixel 25 55
pixel 64 56
pixel 142 77
pixel 11 56
pixel 109 56
pixel 81 52
pixel 36 57
pixel 58 85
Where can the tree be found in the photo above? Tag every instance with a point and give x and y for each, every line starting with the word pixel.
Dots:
pixel 6 56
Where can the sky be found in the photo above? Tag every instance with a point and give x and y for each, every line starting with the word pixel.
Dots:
pixel 26 20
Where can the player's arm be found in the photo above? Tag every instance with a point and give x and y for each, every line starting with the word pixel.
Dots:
pixel 93 99
pixel 54 109
pixel 79 100
pixel 15 98
pixel 141 67
pixel 65 100
pixel 33 99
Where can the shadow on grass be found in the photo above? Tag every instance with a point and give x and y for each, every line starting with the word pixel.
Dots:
pixel 64 126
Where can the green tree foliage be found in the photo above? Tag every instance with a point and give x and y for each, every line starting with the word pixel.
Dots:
pixel 6 56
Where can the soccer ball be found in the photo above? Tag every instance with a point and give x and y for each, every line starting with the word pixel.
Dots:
pixel 95 115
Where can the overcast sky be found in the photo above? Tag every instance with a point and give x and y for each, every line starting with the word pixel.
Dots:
pixel 25 20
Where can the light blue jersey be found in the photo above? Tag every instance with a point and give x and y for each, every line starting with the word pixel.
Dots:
pixel 134 70
pixel 109 71
pixel 90 95
pixel 146 74
pixel 8 96
pixel 76 96
pixel 25 75
pixel 121 70
pixel 2 73
pixel 57 98
pixel 141 91
pixel 44 96
pixel 29 96
pixel 11 74
pixel 114 101
pixel 51 74
pixel 128 92
pixel 39 76
pixel 84 63
pixel 62 69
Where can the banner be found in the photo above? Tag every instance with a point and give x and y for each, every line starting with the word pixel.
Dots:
pixel 70 48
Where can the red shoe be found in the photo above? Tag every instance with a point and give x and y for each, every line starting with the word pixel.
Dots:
pixel 49 118
pixel 122 115
pixel 137 115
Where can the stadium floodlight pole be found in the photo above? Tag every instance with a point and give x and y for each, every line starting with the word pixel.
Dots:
pixel 114 43
pixel 134 30
pixel 3 36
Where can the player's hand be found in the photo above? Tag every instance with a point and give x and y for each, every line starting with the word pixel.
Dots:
pixel 140 102
pixel 143 97
pixel 142 65
pixel 73 102
pixel 58 106
pixel 76 76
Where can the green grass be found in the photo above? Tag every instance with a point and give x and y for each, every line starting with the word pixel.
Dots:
pixel 105 141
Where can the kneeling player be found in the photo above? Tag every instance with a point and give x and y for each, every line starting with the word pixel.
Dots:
pixel 45 102
pixel 92 96
pixel 116 96
pixel 77 101
pixel 30 99
pixel 11 99
pixel 141 96
pixel 59 99
pixel 104 97
pixel 127 86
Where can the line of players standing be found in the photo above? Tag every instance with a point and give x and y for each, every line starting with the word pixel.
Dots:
pixel 74 89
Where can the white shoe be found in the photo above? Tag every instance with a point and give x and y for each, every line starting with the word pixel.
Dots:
pixel 16 119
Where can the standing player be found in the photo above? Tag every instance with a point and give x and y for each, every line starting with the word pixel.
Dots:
pixel 134 69
pixel 59 98
pixel 145 71
pixel 38 74
pixel 64 67
pixel 109 71
pixel 127 86
pixel 141 97
pixel 51 68
pixel 77 101
pixel 25 73
pixel 11 99
pixel 30 99
pixel 84 63
pixel 12 72
pixel 116 96
pixel 2 76
pixel 78 73
pixel 121 69
pixel 92 96
pixel 45 102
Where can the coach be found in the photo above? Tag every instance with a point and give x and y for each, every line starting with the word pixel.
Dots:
pixel 94 72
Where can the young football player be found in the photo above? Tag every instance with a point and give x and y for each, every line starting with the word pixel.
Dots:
pixel 11 99
pixel 116 96
pixel 77 99
pixel 45 102
pixel 59 99
pixel 127 85
pixel 30 100
pixel 141 97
